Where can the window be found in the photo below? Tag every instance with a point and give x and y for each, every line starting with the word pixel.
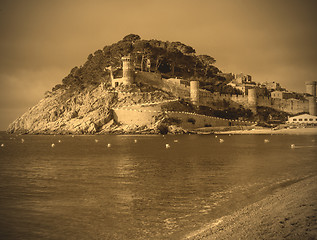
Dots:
pixel 300 119
pixel 294 120
pixel 310 119
pixel 305 119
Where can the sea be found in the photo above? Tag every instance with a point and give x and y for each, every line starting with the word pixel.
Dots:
pixel 140 186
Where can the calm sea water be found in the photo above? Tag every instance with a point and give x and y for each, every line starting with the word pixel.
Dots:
pixel 82 189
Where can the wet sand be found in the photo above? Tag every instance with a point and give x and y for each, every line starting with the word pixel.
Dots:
pixel 288 213
pixel 294 131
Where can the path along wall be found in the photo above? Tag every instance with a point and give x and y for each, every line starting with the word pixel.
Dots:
pixel 147 116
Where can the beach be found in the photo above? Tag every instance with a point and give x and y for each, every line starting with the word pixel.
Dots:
pixel 288 213
pixel 257 130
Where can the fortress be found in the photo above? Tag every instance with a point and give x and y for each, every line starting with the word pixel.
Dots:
pixel 192 92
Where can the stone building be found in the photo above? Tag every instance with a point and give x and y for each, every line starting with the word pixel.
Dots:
pixel 282 95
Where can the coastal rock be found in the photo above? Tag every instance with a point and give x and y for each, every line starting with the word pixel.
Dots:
pixel 83 112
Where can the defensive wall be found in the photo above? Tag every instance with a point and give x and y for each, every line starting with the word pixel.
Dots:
pixel 206 98
pixel 147 115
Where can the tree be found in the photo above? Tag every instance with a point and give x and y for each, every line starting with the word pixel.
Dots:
pixel 131 38
pixel 207 62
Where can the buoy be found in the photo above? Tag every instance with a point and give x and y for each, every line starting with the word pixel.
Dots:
pixel 266 140
pixel 2 145
pixel 22 140
pixel 216 136
pixel 53 145
pixel 135 141
pixel 176 141
pixel 292 145
pixel 96 140
pixel 73 136
pixel 59 141
pixel 167 145
pixel 109 145
pixel 221 140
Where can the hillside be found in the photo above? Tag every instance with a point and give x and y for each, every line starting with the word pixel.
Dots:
pixel 171 59
pixel 84 102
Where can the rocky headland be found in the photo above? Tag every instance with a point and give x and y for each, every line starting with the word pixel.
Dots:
pixel 86 112
pixel 158 76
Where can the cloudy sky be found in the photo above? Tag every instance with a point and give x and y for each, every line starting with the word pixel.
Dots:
pixel 42 40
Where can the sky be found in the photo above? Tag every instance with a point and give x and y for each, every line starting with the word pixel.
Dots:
pixel 42 40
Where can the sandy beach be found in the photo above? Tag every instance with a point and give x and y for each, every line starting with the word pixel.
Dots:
pixel 288 213
pixel 269 131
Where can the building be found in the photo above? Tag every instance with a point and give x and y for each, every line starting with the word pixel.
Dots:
pixel 303 119
pixel 271 85
pixel 282 95
pixel 243 78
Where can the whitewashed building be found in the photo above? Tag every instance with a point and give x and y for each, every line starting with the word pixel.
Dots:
pixel 303 119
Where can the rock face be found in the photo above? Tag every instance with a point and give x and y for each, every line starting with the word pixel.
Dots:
pixel 85 112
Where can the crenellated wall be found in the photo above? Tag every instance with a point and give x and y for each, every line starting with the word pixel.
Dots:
pixel 188 120
pixel 206 98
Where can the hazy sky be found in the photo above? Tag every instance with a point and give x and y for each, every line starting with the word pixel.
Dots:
pixel 42 40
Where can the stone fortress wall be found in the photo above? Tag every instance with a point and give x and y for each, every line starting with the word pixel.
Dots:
pixel 147 114
pixel 206 98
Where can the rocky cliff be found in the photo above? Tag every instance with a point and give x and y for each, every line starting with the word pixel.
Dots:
pixel 85 112
pixel 83 103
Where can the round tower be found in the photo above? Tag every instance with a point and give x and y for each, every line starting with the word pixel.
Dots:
pixel 128 71
pixel 312 106
pixel 252 99
pixel 311 88
pixel 194 92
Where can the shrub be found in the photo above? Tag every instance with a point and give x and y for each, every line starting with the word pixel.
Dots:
pixel 191 120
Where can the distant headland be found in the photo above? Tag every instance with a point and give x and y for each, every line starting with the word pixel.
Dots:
pixel 138 86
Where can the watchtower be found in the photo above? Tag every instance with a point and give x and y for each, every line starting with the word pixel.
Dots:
pixel 194 92
pixel 311 88
pixel 312 106
pixel 128 70
pixel 252 99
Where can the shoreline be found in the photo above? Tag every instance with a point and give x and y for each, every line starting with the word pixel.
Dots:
pixel 202 131
pixel 270 131
pixel 288 213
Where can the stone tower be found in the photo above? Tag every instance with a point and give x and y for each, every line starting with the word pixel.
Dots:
pixel 128 70
pixel 252 99
pixel 312 105
pixel 194 92
pixel 311 88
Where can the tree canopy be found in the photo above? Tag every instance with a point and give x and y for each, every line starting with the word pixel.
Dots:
pixel 173 59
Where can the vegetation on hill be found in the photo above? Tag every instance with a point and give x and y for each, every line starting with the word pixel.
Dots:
pixel 171 59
